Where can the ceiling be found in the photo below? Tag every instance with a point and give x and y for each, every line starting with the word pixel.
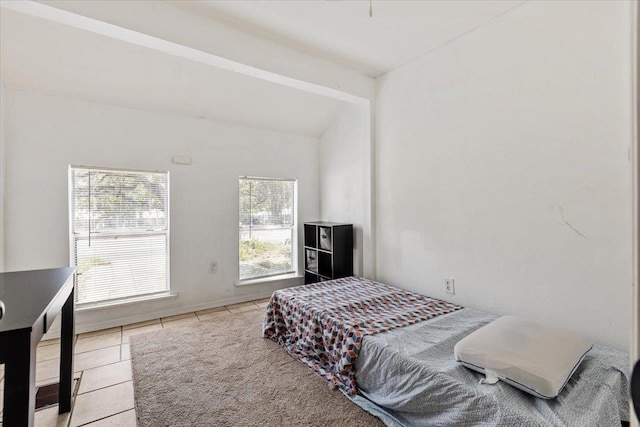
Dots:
pixel 44 56
pixel 343 32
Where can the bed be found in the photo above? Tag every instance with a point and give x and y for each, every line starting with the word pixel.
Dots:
pixel 391 352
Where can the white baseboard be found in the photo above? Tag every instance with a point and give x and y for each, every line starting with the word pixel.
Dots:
pixel 82 327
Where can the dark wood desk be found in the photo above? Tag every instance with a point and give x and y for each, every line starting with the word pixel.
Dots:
pixel 33 300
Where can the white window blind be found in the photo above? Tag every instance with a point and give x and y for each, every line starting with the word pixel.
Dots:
pixel 267 227
pixel 119 233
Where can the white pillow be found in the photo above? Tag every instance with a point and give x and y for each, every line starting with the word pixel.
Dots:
pixel 536 358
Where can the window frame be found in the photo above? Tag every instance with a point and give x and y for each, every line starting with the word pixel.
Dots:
pixel 294 231
pixel 109 235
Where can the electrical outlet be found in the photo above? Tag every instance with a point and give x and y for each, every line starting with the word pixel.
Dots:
pixel 213 267
pixel 449 286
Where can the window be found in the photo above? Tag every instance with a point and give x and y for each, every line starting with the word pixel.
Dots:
pixel 267 227
pixel 119 222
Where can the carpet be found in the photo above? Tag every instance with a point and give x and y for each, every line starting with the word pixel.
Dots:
pixel 222 373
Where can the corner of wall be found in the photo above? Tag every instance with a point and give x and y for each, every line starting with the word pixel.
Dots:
pixel 346 179
pixel 3 137
pixel 372 271
pixel 635 162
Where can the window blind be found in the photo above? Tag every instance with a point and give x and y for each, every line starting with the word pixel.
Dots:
pixel 267 228
pixel 119 232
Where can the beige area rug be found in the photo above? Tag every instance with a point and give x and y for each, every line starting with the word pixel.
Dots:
pixel 222 373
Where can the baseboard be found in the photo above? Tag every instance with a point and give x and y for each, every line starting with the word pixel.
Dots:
pixel 82 327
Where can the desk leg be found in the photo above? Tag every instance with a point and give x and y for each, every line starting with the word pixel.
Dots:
pixel 20 380
pixel 66 355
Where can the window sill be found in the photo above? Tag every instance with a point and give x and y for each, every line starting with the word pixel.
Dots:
pixel 281 277
pixel 117 303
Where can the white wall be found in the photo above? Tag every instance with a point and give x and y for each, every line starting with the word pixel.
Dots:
pixel 3 131
pixel 345 184
pixel 47 134
pixel 635 162
pixel 503 162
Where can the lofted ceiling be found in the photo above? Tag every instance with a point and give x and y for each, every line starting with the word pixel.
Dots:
pixel 343 32
pixel 48 57
pixel 43 55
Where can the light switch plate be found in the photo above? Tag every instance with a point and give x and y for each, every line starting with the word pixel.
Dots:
pixel 213 267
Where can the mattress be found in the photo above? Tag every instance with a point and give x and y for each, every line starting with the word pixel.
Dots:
pixel 322 325
pixel 408 377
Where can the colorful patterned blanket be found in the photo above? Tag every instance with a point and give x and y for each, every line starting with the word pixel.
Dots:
pixel 323 324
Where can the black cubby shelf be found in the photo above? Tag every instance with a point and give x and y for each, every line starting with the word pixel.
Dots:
pixel 328 251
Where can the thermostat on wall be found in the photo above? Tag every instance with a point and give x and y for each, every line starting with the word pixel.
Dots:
pixel 181 160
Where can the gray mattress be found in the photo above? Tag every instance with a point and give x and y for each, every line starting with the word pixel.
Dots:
pixel 408 377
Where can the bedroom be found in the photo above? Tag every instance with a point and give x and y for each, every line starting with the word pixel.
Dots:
pixel 462 140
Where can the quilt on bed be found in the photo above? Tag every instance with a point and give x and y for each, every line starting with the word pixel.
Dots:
pixel 323 324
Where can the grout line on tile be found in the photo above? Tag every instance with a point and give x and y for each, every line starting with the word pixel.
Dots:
pixel 108 364
pixel 107 386
pixel 97 349
pixel 109 416
pixel 95 334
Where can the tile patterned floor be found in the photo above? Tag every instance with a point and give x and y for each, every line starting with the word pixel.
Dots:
pixel 103 369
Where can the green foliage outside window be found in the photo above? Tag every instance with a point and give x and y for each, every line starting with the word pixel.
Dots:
pixel 266 209
pixel 265 254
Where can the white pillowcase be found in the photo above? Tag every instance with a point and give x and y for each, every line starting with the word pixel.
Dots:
pixel 536 358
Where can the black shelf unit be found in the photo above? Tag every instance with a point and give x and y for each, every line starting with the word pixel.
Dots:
pixel 328 251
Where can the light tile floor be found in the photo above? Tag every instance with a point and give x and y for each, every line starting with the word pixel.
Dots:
pixel 103 370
